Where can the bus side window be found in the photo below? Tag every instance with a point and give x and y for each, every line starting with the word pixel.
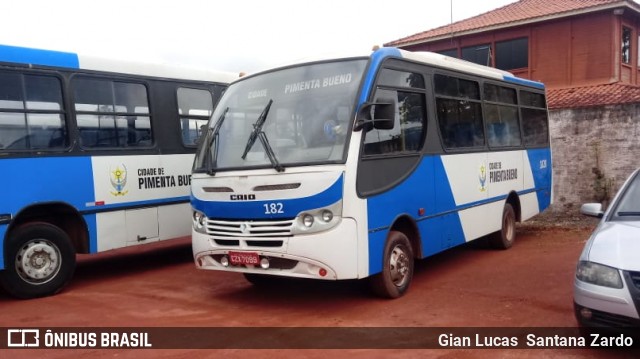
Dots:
pixel 112 114
pixel 195 106
pixel 409 128
pixel 31 112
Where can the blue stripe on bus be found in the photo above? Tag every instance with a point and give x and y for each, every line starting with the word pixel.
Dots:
pixel 26 55
pixel 256 209
pixel 441 227
pixel 376 60
pixel 540 162
pixel 520 81
pixel 136 204
pixel 3 231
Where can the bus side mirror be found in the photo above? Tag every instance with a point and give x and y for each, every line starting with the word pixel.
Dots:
pixel 378 115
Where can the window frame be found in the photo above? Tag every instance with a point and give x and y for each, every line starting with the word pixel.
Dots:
pixel 115 114
pixel 498 103
pixel 188 117
pixel 479 81
pixel 421 91
pixel 25 111
pixel 498 56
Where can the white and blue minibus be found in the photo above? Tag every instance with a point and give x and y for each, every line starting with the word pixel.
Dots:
pixel 355 167
pixel 96 155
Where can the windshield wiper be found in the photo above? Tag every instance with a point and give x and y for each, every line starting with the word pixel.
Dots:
pixel 257 133
pixel 212 139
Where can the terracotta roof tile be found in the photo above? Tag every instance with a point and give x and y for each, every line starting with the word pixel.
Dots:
pixel 598 95
pixel 511 15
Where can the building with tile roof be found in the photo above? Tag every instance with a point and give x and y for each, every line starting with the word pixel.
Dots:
pixel 587 52
pixel 579 45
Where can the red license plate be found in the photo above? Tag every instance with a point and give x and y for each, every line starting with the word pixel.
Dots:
pixel 244 258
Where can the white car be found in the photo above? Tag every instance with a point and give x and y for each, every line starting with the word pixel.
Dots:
pixel 607 282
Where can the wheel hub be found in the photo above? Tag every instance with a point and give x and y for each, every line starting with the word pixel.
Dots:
pixel 38 261
pixel 399 265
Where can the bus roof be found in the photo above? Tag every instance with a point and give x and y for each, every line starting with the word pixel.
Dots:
pixel 430 58
pixel 59 59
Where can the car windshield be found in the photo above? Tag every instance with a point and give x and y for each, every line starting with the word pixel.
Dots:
pixel 627 207
pixel 294 116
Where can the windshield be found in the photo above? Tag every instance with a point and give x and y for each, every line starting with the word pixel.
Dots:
pixel 627 207
pixel 289 117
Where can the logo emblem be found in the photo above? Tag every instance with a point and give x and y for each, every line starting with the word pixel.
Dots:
pixel 244 228
pixel 482 178
pixel 118 178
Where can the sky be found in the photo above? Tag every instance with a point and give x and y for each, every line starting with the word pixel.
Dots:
pixel 232 35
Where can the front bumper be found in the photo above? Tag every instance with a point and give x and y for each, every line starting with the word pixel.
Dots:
pixel 331 254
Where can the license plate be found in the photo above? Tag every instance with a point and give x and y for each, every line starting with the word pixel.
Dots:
pixel 244 258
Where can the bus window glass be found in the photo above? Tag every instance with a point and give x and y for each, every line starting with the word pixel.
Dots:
pixel 22 129
pixel 131 98
pixel 99 127
pixel 459 112
pixel 535 123
pixel 407 133
pixel 43 93
pixel 305 114
pixel 194 108
pixel 501 117
pixel 93 95
pixel 11 91
pixel 396 78
pixel 535 127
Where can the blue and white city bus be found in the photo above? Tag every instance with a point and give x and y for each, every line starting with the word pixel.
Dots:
pixel 95 154
pixel 355 167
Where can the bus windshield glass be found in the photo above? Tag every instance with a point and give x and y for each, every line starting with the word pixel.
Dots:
pixel 290 117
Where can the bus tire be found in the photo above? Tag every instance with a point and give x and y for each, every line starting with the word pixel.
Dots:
pixel 397 267
pixel 39 261
pixel 504 238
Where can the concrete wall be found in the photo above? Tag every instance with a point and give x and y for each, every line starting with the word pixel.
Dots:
pixel 594 150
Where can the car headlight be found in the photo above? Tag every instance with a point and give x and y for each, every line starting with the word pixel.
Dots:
pixel 199 222
pixel 598 274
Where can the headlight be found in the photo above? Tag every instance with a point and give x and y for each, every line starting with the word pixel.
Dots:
pixel 199 221
pixel 598 274
pixel 318 219
pixel 307 220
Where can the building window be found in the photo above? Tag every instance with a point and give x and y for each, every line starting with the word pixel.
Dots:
pixel 626 45
pixel 512 54
pixel 479 54
pixel 452 52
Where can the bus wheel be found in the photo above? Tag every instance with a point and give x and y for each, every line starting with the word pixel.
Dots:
pixel 504 238
pixel 39 261
pixel 397 269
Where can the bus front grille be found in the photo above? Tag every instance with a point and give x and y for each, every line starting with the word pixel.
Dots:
pixel 249 230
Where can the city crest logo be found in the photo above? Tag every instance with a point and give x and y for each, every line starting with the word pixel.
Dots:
pixel 482 178
pixel 118 178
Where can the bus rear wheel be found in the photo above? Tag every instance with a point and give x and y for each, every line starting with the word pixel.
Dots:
pixel 39 261
pixel 504 238
pixel 397 269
